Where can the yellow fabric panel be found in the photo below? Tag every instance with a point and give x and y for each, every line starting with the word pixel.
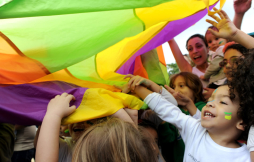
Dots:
pixel 170 11
pixel 222 2
pixel 7 47
pixel 64 75
pixel 126 48
pixel 98 103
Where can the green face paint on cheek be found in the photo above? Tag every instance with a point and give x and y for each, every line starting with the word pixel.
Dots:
pixel 220 42
pixel 228 115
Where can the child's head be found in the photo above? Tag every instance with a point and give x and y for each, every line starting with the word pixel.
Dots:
pixel 188 84
pixel 213 41
pixel 231 51
pixel 220 115
pixel 150 128
pixel 77 129
pixel 242 81
pixel 112 141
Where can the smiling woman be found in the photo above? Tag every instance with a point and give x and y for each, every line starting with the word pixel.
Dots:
pixel 198 52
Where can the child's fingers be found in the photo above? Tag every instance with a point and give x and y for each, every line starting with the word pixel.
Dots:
pixel 73 107
pixel 221 15
pixel 64 94
pixel 213 32
pixel 224 14
pixel 70 97
pixel 129 76
pixel 212 22
pixel 215 18
pixel 170 90
pixel 135 82
pixel 131 81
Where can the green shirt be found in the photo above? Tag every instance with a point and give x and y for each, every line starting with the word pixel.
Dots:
pixel 172 145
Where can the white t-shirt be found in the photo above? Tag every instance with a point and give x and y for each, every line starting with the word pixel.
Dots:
pixel 199 73
pixel 199 147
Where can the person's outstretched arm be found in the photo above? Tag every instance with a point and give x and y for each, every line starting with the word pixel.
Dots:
pixel 240 6
pixel 183 65
pixel 48 143
pixel 229 31
pixel 138 80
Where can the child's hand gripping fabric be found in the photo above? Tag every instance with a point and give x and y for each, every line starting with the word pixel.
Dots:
pixel 138 80
pixel 48 143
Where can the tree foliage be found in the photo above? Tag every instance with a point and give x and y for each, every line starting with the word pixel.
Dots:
pixel 172 69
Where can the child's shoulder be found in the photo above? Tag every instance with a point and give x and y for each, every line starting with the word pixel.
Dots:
pixel 218 52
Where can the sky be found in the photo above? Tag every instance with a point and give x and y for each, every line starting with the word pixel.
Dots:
pixel 201 27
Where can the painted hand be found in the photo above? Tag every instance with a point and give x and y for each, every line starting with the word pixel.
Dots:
pixel 226 27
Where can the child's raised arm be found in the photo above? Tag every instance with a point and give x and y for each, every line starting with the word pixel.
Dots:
pixel 240 6
pixel 229 31
pixel 183 65
pixel 138 80
pixel 48 143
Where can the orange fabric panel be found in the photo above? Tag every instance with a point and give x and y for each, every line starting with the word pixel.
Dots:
pixel 16 69
pixel 139 68
pixel 66 76
pixel 161 55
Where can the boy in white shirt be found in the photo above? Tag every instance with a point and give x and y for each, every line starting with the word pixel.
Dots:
pixel 211 138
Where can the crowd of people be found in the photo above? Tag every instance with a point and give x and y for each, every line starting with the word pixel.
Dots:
pixel 205 114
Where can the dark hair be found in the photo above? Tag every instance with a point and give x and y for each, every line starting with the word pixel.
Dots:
pixel 199 36
pixel 147 124
pixel 242 83
pixel 193 82
pixel 235 46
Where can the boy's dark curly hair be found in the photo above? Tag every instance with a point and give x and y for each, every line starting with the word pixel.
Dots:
pixel 242 83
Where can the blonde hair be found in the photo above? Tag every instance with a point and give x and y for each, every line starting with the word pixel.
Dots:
pixel 114 141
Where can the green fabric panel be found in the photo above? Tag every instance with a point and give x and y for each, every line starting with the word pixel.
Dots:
pixel 31 8
pixel 64 40
pixel 151 63
pixel 86 70
pixel 4 2
pixel 164 72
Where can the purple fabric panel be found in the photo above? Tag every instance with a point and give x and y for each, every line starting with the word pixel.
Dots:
pixel 26 104
pixel 171 30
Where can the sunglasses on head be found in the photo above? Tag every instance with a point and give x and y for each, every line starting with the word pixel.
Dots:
pixel 231 61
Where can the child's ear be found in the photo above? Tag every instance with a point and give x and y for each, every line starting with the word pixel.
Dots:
pixel 240 125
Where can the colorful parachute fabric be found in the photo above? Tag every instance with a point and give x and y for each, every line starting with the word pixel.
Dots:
pixel 90 44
